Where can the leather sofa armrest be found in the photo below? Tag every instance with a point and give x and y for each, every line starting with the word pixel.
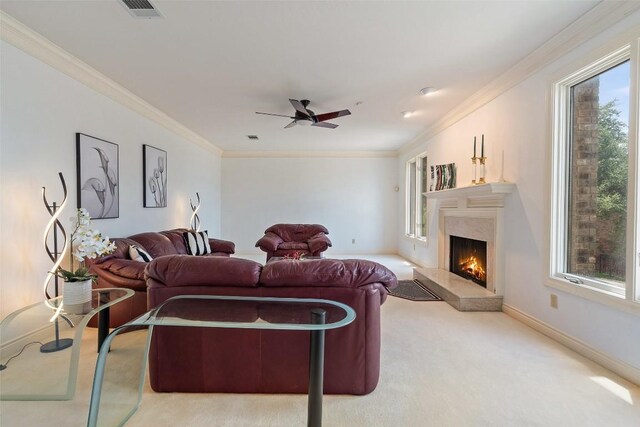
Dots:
pixel 218 245
pixel 319 243
pixel 269 242
pixel 120 273
pixel 126 268
pixel 377 287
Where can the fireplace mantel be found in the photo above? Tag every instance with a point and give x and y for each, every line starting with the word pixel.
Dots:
pixel 489 195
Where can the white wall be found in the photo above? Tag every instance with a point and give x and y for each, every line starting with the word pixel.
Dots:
pixel 517 122
pixel 353 197
pixel 41 111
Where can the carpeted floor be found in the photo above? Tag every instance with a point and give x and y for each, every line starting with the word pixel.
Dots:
pixel 440 368
pixel 413 290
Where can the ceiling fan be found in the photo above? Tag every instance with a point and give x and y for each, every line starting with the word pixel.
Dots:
pixel 307 117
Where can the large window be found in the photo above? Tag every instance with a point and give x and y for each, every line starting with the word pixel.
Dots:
pixel 594 175
pixel 416 220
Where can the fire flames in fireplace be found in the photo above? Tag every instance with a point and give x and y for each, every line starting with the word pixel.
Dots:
pixel 471 266
pixel 468 259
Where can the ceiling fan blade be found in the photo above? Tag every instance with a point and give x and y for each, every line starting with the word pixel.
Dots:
pixel 278 115
pixel 325 125
pixel 299 107
pixel 290 125
pixel 332 115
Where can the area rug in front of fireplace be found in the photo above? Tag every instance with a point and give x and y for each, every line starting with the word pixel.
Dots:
pixel 413 290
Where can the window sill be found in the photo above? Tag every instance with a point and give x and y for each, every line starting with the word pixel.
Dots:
pixel 602 297
pixel 417 240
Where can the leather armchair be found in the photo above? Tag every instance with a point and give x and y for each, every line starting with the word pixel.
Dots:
pixel 286 239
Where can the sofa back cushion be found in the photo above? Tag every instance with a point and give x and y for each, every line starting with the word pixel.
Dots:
pixel 176 236
pixel 351 273
pixel 296 232
pixel 185 270
pixel 157 244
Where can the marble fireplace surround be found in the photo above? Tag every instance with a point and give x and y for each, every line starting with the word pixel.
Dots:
pixel 475 213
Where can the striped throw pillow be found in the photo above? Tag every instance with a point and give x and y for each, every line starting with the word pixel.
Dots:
pixel 197 242
pixel 136 253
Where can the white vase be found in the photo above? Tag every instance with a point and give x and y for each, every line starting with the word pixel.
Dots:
pixel 76 297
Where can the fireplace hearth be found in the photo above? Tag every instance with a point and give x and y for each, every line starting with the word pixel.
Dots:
pixel 468 259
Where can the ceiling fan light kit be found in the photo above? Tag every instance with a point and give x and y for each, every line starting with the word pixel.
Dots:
pixel 306 117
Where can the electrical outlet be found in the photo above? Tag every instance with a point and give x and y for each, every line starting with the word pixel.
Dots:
pixel 353 241
pixel 553 300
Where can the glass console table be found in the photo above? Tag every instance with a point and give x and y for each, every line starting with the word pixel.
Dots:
pixel 56 362
pixel 110 406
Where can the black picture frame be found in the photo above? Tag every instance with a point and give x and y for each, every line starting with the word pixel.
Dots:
pixel 154 177
pixel 97 172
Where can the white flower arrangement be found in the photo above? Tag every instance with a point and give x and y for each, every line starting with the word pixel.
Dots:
pixel 85 243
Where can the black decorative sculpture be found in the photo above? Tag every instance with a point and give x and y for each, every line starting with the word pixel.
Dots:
pixel 195 219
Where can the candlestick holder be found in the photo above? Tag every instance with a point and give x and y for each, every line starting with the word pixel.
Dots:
pixel 474 161
pixel 483 169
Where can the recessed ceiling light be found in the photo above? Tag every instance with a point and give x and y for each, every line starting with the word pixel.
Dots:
pixel 407 114
pixel 427 91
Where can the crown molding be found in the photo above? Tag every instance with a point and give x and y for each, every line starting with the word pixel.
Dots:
pixel 309 154
pixel 24 38
pixel 593 22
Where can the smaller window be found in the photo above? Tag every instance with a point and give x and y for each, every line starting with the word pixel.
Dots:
pixel 417 178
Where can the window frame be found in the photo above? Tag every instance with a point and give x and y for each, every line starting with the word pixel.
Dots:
pixel 412 230
pixel 557 277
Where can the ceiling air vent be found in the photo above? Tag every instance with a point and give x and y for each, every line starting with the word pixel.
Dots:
pixel 141 8
pixel 253 137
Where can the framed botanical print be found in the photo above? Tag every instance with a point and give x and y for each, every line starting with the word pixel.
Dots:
pixel 154 162
pixel 97 173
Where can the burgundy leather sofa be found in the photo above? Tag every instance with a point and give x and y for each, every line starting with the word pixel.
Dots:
pixel 266 361
pixel 118 270
pixel 286 239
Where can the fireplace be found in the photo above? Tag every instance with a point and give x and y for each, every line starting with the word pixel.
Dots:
pixel 468 259
pixel 480 232
pixel 474 213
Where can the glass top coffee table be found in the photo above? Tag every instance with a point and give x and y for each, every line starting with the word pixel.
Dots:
pixel 108 407
pixel 50 347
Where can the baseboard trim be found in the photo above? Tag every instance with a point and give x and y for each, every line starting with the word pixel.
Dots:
pixel 13 347
pixel 621 368
pixel 325 254
pixel 416 261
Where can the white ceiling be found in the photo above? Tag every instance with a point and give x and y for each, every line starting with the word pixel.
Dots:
pixel 212 64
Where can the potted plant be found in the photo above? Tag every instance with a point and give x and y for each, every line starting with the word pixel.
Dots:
pixel 86 242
